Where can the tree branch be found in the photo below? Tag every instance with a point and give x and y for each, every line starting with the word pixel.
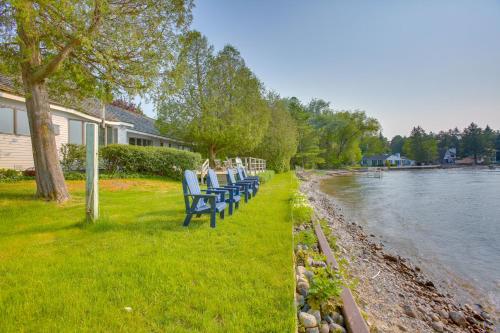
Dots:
pixel 50 67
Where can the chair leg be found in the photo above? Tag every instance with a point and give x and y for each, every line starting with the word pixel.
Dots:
pixel 213 216
pixel 187 219
pixel 231 207
pixel 198 215
pixel 222 214
pixel 237 205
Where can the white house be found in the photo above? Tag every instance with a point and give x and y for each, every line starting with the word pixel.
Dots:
pixel 386 159
pixel 117 125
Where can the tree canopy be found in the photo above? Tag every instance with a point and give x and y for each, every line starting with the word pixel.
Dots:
pixel 78 49
pixel 421 146
pixel 280 142
pixel 220 106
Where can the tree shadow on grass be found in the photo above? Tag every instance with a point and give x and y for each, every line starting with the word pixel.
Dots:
pixel 149 223
pixel 44 228
pixel 19 196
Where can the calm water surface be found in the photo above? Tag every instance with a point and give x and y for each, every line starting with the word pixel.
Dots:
pixel 447 221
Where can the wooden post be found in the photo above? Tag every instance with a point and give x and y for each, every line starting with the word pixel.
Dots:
pixel 92 172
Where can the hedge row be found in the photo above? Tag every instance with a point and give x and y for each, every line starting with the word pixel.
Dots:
pixel 127 159
pixel 160 161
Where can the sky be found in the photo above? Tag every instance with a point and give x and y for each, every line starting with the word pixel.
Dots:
pixel 431 63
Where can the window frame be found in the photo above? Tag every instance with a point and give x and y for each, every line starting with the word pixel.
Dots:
pixel 83 130
pixel 16 122
pixel 13 120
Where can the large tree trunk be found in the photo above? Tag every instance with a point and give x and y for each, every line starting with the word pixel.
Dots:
pixel 49 175
pixel 211 155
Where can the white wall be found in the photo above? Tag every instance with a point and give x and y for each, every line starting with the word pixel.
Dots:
pixel 16 151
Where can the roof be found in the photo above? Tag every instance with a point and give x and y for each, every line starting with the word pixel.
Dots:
pixel 141 122
pixel 93 107
pixel 90 106
pixel 377 157
pixel 7 84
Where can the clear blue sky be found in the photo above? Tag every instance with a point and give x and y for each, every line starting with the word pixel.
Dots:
pixel 431 63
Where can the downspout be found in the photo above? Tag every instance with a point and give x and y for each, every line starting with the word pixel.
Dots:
pixel 103 123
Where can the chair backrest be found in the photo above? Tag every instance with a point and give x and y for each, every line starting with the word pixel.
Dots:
pixel 230 176
pixel 240 171
pixel 244 172
pixel 212 180
pixel 190 186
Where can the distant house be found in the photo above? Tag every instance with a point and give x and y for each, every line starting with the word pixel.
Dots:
pixel 386 159
pixel 449 156
pixel 116 125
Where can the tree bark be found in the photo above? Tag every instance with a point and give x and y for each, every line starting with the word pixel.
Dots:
pixel 211 155
pixel 49 175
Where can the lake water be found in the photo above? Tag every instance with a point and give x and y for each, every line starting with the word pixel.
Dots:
pixel 446 221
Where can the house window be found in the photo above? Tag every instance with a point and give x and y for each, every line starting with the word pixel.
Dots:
pixel 6 120
pixel 140 142
pixel 75 132
pixel 22 126
pixel 112 135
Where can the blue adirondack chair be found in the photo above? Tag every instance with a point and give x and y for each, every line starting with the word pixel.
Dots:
pixel 245 187
pixel 212 202
pixel 243 177
pixel 233 191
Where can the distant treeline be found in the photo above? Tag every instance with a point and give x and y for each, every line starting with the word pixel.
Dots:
pixel 473 141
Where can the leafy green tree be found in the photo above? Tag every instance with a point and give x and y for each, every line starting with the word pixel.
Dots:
pixel 89 48
pixel 308 151
pixel 219 106
pixel 449 139
pixel 281 139
pixel 420 146
pixel 374 144
pixel 397 143
pixel 341 133
pixel 319 106
pixel 474 141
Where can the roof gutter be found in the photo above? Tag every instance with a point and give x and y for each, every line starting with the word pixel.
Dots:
pixel 157 136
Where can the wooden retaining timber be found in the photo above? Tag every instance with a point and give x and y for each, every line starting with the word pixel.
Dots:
pixel 354 321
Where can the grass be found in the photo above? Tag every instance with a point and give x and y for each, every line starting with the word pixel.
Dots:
pixel 58 274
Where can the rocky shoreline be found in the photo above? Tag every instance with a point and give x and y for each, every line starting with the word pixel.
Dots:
pixel 396 294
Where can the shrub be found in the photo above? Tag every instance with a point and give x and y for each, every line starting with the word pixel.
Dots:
pixel 10 175
pixel 306 237
pixel 301 210
pixel 266 176
pixel 73 175
pixel 326 285
pixel 159 161
pixel 73 157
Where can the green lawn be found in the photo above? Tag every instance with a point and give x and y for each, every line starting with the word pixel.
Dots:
pixel 58 275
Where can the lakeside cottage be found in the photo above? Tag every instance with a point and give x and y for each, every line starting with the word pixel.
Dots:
pixel 381 160
pixel 449 156
pixel 117 125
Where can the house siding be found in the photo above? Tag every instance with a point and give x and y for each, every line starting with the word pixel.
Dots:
pixel 16 151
